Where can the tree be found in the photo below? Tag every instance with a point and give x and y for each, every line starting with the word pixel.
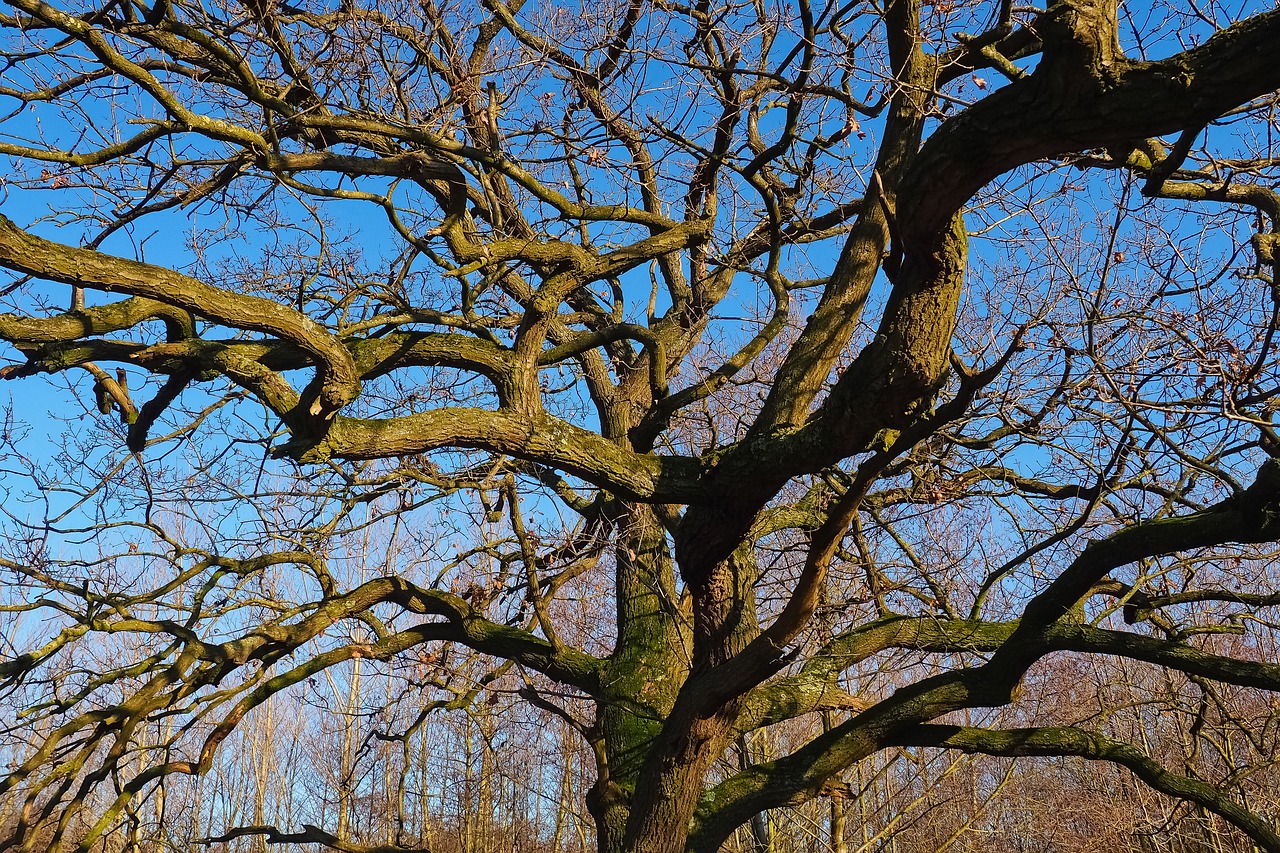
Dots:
pixel 852 358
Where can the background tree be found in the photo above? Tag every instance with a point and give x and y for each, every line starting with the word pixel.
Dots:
pixel 681 371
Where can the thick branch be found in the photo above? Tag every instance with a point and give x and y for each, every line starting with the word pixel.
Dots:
pixel 309 835
pixel 1084 95
pixel 337 381
pixel 1059 740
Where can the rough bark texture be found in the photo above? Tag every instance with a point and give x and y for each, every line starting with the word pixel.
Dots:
pixel 684 493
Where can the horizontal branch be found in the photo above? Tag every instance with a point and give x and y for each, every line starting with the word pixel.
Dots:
pixel 98 320
pixel 534 437
pixel 336 382
pixel 1060 740
pixel 1252 516
pixel 309 835
pixel 1167 654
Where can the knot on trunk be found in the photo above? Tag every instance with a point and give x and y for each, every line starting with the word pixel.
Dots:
pixel 1081 43
pixel 1262 500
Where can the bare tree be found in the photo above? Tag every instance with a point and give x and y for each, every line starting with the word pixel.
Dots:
pixel 415 336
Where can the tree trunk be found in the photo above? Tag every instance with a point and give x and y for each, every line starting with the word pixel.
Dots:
pixel 645 673
pixel 836 810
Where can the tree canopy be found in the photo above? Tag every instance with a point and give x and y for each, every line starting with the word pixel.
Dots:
pixel 684 371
